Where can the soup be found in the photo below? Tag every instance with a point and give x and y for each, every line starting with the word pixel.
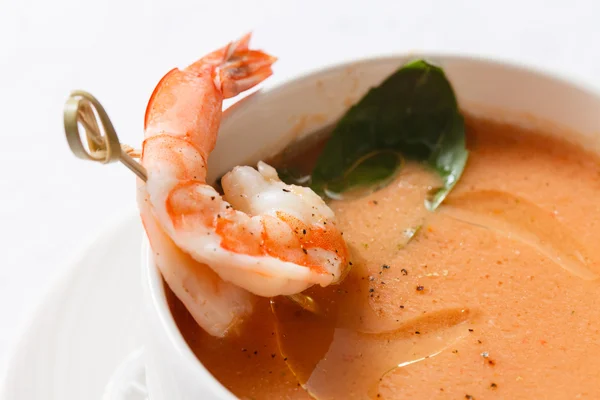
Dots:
pixel 491 296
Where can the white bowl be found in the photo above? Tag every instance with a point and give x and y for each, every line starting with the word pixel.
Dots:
pixel 264 123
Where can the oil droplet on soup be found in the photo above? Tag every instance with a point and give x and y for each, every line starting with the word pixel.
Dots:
pixel 493 294
pixel 344 351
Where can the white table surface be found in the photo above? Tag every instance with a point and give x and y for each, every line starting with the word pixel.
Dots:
pixel 117 49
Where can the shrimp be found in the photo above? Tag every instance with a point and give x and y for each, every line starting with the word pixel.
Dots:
pixel 263 237
pixel 217 306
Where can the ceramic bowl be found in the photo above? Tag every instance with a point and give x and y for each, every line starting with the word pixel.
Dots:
pixel 267 121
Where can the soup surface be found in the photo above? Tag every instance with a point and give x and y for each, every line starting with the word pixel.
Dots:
pixel 494 295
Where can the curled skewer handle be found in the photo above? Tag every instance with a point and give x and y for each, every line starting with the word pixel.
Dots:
pixel 83 109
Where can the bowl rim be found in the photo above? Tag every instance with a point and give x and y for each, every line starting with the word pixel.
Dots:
pixel 152 274
pixel 269 88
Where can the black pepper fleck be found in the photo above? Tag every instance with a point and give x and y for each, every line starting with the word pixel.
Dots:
pixel 404 271
pixel 285 190
pixel 470 330
pixel 493 386
pixel 469 397
pixel 417 333
pixel 401 306
pixel 420 288
pixel 371 290
pixel 273 355
pixel 385 266
pixel 304 231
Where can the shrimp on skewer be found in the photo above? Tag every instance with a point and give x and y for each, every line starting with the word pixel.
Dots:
pixel 263 236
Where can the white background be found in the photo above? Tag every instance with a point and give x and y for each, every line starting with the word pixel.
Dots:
pixel 118 50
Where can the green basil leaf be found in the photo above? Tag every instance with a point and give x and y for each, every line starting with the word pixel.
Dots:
pixel 414 112
pixel 368 174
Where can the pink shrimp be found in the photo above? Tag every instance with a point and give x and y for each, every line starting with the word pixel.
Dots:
pixel 263 236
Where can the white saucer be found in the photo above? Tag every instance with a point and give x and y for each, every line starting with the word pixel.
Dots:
pixel 86 326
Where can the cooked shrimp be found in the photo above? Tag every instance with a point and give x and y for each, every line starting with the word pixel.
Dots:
pixel 216 305
pixel 263 236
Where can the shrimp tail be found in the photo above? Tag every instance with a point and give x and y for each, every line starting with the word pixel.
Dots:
pixel 199 89
pixel 237 68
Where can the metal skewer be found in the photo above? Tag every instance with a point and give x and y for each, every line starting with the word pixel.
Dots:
pixel 84 109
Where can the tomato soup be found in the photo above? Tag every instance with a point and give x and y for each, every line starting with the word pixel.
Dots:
pixel 490 296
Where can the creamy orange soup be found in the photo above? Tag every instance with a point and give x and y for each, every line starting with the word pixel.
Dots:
pixel 494 295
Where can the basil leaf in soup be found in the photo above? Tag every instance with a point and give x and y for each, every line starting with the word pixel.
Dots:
pixel 369 173
pixel 413 113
